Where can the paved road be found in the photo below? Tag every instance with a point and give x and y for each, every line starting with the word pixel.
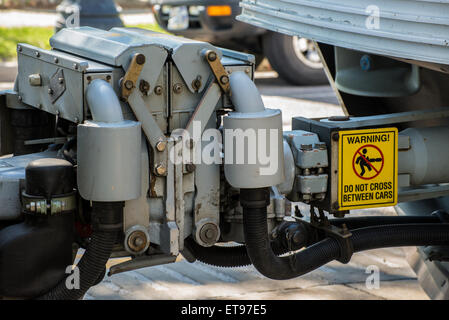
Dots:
pixel 182 280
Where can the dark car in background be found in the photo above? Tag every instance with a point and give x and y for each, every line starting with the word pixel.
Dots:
pixel 294 58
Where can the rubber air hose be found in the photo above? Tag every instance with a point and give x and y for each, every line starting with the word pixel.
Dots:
pixel 107 225
pixel 227 256
pixel 255 201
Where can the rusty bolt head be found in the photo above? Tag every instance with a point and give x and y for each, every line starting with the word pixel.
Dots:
pixel 160 146
pixel 137 241
pixel 160 170
pixel 212 56
pixel 140 59
pixel 190 167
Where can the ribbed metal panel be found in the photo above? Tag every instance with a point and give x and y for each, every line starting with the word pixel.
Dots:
pixel 410 29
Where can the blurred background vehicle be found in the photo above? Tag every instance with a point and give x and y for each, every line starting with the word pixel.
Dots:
pixel 294 58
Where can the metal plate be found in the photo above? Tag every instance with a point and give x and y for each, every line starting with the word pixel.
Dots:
pixel 57 85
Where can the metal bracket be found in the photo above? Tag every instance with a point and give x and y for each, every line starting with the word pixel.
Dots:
pixel 129 81
pixel 218 70
pixel 341 235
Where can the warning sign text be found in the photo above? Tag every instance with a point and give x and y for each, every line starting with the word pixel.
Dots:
pixel 367 168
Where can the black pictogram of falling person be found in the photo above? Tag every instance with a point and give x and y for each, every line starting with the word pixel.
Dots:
pixel 364 161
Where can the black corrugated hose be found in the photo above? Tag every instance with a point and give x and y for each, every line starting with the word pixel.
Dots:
pixel 255 201
pixel 237 256
pixel 107 224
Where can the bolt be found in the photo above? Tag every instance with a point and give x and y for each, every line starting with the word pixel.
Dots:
pixel 158 90
pixel 177 88
pixel 137 241
pixel 140 59
pixel 129 84
pixel 196 84
pixel 190 167
pixel 160 170
pixel 144 87
pixel 77 120
pixel 306 147
pixel 61 80
pixel 50 91
pixel 212 56
pixel 56 60
pixel 89 78
pixel 37 54
pixel 75 66
pixel 224 79
pixel 335 136
pixel 160 146
pixel 306 172
pixel 20 98
pixel 39 106
pixel 19 48
pixel 209 233
pixel 108 78
pixel 247 70
pixel 320 146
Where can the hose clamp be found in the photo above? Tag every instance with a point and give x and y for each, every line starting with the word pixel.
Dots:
pixel 36 205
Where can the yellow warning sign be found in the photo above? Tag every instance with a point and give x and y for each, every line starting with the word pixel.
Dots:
pixel 367 166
